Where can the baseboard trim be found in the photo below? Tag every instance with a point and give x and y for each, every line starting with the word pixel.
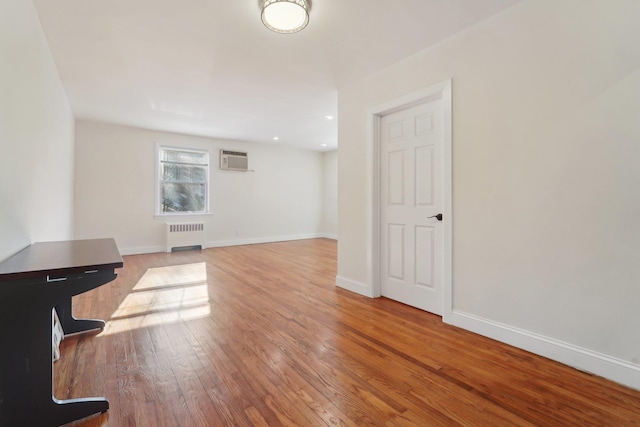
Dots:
pixel 142 250
pixel 328 236
pixel 353 286
pixel 617 370
pixel 222 243
pixel 258 240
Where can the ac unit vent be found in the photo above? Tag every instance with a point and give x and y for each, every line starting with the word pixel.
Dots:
pixel 233 160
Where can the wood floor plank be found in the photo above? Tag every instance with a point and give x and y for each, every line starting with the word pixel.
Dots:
pixel 260 335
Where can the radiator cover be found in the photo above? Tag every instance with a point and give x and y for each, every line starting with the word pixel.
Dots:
pixel 185 234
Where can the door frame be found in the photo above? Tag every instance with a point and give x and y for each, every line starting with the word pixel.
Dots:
pixel 442 91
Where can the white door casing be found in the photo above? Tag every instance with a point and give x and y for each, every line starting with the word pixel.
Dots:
pixel 411 193
pixel 412 182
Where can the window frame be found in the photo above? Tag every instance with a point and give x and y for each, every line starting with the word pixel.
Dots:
pixel 160 149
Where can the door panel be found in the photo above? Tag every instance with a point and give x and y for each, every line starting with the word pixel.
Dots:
pixel 425 239
pixel 411 152
pixel 424 157
pixel 395 178
pixel 396 257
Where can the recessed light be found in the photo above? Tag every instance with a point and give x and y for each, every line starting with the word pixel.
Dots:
pixel 275 138
pixel 328 117
pixel 323 145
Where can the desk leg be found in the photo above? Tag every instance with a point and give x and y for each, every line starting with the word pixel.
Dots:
pixel 71 325
pixel 26 374
pixel 65 411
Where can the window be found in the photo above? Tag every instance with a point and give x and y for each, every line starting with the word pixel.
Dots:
pixel 183 181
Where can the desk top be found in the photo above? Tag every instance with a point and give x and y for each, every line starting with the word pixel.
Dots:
pixel 60 258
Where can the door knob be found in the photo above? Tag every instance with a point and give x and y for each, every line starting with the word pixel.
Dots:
pixel 438 217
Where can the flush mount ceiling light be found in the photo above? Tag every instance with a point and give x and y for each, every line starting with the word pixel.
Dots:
pixel 285 16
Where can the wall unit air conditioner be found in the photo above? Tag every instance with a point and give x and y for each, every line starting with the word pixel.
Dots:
pixel 233 160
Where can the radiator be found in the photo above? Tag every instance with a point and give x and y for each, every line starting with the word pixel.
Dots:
pixel 188 234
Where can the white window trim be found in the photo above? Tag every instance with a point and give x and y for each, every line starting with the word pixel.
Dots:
pixel 158 177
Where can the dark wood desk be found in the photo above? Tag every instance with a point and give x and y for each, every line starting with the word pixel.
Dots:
pixel 33 282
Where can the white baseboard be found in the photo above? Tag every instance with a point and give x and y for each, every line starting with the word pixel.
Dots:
pixel 257 240
pixel 580 358
pixel 222 243
pixel 328 236
pixel 353 286
pixel 142 250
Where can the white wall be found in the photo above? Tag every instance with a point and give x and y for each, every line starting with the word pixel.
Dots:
pixel 36 136
pixel 116 189
pixel 546 178
pixel 330 195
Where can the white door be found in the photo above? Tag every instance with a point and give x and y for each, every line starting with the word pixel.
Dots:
pixel 412 188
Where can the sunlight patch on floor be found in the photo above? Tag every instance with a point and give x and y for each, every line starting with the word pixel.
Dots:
pixel 163 295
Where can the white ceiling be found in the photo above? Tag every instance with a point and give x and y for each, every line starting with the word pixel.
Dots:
pixel 210 68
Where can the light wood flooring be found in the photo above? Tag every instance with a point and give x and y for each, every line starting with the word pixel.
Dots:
pixel 260 336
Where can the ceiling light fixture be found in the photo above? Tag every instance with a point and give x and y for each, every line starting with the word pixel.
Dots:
pixel 285 16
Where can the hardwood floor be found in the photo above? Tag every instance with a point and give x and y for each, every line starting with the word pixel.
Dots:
pixel 260 336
